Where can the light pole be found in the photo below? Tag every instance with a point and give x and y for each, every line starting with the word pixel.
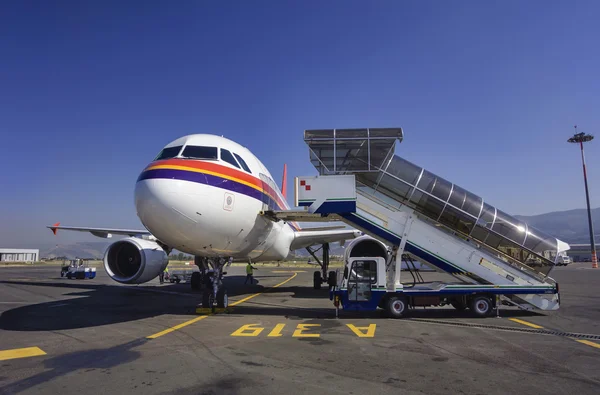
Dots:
pixel 583 138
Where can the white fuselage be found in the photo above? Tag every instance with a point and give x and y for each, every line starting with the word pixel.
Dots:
pixel 209 207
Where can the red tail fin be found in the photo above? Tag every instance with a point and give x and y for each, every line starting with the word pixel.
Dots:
pixel 284 182
pixel 54 229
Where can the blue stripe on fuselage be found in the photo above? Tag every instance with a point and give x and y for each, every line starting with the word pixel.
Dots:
pixel 215 181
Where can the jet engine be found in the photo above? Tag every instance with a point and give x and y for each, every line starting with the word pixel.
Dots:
pixel 365 246
pixel 134 261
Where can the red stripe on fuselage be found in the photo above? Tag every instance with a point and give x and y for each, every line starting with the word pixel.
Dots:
pixel 228 171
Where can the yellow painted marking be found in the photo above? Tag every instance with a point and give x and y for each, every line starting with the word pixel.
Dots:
pixel 369 331
pixel 176 327
pixel 245 299
pixel 21 353
pixel 276 332
pixel 589 343
pixel 256 294
pixel 288 271
pixel 248 330
pixel 283 282
pixel 304 327
pixel 526 323
pixel 208 310
pixel 586 342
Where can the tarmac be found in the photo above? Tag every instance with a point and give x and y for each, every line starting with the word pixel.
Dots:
pixel 281 336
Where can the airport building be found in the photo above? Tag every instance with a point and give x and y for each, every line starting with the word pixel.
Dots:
pixel 19 255
pixel 581 252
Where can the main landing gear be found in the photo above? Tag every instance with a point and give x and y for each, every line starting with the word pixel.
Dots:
pixel 209 281
pixel 323 276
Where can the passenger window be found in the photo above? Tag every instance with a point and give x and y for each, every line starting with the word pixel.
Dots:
pixel 227 157
pixel 199 152
pixel 168 153
pixel 242 162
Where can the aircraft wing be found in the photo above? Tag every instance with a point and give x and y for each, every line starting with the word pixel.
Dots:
pixel 101 232
pixel 307 238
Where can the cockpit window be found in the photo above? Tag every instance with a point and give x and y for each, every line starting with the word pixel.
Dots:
pixel 199 152
pixel 227 157
pixel 168 153
pixel 244 165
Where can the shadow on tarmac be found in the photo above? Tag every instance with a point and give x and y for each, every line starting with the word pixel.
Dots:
pixel 87 360
pixel 93 305
pixel 89 304
pixel 104 360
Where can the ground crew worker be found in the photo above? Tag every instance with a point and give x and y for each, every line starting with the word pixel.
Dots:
pixel 249 272
pixel 161 275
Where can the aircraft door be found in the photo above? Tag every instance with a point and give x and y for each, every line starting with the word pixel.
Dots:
pixel 265 198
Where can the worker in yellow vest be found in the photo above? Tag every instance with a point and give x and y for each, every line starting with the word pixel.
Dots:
pixel 161 275
pixel 249 273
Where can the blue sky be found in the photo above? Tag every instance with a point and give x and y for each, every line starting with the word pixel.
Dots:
pixel 487 94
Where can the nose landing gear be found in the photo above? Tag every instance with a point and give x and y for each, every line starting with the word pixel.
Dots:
pixel 209 281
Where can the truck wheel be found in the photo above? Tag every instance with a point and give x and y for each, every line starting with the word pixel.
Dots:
pixel 195 281
pixel 481 306
pixel 396 306
pixel 317 280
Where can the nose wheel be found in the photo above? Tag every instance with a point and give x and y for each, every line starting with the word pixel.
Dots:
pixel 221 301
pixel 207 299
pixel 214 293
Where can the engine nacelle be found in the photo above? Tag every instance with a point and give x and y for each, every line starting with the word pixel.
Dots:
pixel 134 261
pixel 365 246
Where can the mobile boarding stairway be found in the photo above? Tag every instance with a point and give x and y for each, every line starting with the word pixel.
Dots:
pixel 414 212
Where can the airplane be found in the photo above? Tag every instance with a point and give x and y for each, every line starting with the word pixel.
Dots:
pixel 203 194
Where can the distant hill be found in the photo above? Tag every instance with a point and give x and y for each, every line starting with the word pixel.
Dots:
pixel 570 226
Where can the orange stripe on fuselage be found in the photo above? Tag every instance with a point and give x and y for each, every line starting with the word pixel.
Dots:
pixel 221 171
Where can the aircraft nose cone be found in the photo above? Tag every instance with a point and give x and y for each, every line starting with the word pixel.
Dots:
pixel 166 210
pixel 147 200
